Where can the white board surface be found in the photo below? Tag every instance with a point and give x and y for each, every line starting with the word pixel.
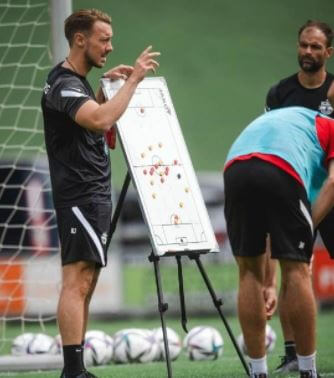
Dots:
pixel 161 170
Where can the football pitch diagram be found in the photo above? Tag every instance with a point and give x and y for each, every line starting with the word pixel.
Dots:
pixel 162 171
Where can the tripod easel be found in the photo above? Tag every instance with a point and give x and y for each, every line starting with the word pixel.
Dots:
pixel 163 306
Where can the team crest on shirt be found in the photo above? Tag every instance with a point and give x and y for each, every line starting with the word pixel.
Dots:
pixel 325 107
pixel 104 238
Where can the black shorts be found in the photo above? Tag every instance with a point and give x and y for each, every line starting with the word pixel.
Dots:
pixel 326 230
pixel 84 233
pixel 262 199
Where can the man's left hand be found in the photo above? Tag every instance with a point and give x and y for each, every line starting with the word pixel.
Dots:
pixel 120 72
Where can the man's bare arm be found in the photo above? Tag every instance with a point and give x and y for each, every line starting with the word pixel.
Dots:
pixel 120 72
pixel 100 118
pixel 270 284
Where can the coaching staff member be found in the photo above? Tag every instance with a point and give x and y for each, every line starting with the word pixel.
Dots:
pixel 75 122
pixel 280 164
pixel 309 88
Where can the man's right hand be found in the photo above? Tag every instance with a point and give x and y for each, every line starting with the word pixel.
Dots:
pixel 145 62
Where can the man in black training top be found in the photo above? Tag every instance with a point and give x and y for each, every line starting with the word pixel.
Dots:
pixel 309 88
pixel 77 127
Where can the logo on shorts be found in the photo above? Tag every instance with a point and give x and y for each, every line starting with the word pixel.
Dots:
pixel 73 230
pixel 104 238
pixel 301 245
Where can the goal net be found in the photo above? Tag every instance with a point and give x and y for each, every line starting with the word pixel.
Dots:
pixel 29 262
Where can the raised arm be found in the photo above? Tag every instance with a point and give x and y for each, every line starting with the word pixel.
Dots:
pixel 120 72
pixel 101 117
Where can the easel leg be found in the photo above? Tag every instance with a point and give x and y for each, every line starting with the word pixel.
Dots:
pixel 218 302
pixel 181 294
pixel 119 206
pixel 162 308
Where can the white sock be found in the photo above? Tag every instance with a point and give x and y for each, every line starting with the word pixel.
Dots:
pixel 258 365
pixel 307 363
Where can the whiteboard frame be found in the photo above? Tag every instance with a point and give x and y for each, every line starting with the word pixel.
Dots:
pixel 110 88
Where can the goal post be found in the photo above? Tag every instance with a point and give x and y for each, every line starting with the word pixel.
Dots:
pixel 60 9
pixel 29 258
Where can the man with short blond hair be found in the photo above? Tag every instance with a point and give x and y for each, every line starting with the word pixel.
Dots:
pixel 77 127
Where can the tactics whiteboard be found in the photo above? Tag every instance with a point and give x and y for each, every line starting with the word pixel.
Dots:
pixel 161 170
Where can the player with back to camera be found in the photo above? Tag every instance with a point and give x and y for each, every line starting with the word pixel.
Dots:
pixel 76 123
pixel 309 88
pixel 281 163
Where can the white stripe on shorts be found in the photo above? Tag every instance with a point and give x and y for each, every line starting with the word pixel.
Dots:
pixel 306 214
pixel 90 231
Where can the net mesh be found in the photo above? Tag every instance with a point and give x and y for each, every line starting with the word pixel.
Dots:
pixel 29 266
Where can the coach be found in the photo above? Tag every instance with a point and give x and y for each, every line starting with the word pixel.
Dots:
pixel 75 122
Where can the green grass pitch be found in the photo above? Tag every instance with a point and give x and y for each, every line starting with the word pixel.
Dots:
pixel 228 365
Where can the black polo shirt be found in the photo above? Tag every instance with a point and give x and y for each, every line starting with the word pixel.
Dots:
pixel 78 158
pixel 289 92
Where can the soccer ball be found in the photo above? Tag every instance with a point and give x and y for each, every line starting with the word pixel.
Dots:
pixel 203 343
pixel 270 338
pixel 56 346
pixel 174 343
pixel 135 345
pixel 20 344
pixel 98 348
pixel 269 342
pixel 31 343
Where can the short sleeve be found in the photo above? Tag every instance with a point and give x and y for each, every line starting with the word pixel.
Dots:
pixel 271 99
pixel 67 95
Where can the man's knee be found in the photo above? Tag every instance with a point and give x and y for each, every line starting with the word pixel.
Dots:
pixel 294 270
pixel 79 278
pixel 252 267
